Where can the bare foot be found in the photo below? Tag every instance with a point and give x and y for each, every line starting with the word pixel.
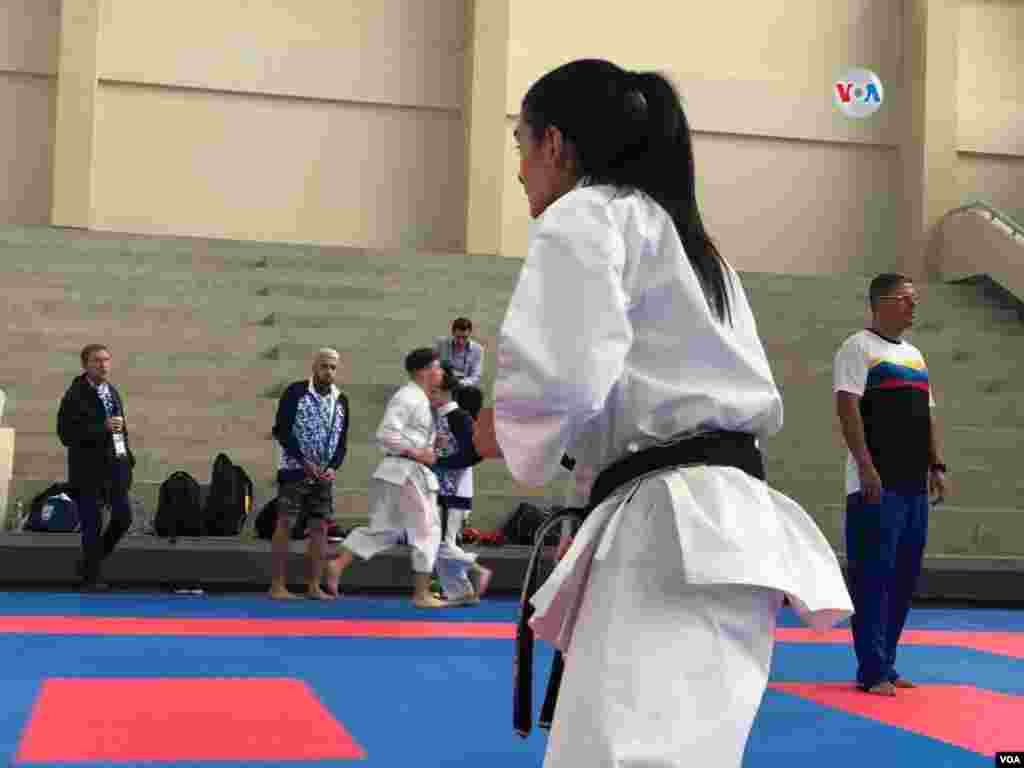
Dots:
pixel 428 601
pixel 900 682
pixel 884 688
pixel 315 593
pixel 480 578
pixel 464 601
pixel 282 593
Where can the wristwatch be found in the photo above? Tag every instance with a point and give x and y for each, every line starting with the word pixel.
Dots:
pixel 939 468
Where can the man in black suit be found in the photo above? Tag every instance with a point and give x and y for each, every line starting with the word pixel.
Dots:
pixel 91 423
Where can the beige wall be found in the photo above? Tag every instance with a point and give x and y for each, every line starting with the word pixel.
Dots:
pixel 221 165
pixel 486 131
pixel 990 93
pixel 350 123
pixel 294 121
pixel 995 179
pixel 787 183
pixel 28 64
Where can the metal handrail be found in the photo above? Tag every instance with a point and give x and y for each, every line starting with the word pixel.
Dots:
pixel 1015 227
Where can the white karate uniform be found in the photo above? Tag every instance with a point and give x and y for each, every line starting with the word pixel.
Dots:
pixel 665 604
pixel 403 492
pixel 453 562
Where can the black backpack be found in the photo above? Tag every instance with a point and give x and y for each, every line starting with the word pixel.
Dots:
pixel 177 511
pixel 524 524
pixel 229 500
pixel 266 520
pixel 53 511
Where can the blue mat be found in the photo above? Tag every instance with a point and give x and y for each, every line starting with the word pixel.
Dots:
pixel 447 702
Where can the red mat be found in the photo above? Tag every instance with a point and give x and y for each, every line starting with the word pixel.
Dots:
pixel 1003 643
pixel 178 719
pixel 971 718
pixel 205 627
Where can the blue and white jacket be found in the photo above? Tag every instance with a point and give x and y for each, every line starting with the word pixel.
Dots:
pixel 310 427
pixel 455 461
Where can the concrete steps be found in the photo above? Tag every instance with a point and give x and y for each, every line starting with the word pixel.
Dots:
pixel 207 333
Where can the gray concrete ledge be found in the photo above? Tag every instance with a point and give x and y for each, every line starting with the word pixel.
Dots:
pixel 143 561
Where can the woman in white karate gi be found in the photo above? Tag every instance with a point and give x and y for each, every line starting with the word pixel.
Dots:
pixel 628 335
pixel 403 489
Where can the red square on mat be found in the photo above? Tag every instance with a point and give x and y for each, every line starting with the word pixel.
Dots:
pixel 164 719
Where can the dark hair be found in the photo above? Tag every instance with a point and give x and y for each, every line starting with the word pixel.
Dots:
pixel 628 129
pixel 462 324
pixel 449 382
pixel 883 285
pixel 470 399
pixel 420 358
pixel 89 350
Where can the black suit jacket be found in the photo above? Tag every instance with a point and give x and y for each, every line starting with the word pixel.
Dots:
pixel 81 426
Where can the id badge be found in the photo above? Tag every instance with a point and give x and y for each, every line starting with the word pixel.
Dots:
pixel 120 449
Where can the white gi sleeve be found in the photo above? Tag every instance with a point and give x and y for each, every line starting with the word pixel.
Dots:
pixel 391 432
pixel 565 337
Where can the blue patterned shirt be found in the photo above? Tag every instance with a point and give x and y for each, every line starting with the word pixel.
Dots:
pixel 319 422
pixel 448 479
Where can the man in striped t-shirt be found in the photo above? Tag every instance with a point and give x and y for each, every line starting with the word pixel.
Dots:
pixel 885 406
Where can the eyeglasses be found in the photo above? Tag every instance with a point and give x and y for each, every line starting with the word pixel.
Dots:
pixel 909 298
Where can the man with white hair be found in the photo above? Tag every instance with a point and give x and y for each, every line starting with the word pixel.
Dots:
pixel 312 428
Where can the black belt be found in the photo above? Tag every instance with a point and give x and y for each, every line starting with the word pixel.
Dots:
pixel 719 449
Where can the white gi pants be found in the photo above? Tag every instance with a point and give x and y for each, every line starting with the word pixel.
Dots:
pixel 453 562
pixel 399 514
pixel 660 673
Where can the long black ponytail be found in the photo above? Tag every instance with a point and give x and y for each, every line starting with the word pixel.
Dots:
pixel 628 129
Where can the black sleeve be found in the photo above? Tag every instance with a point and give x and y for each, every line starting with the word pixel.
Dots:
pixel 287 407
pixel 462 429
pixel 342 449
pixel 76 423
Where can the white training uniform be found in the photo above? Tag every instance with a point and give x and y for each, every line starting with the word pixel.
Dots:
pixel 665 605
pixel 403 492
pixel 453 562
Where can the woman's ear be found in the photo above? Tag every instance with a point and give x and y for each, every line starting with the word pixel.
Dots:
pixel 562 153
pixel 553 146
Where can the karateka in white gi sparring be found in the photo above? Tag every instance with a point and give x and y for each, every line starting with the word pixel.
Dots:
pixel 629 344
pixel 403 489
